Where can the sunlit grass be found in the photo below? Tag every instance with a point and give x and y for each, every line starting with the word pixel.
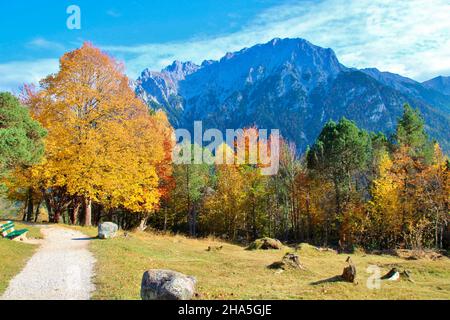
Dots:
pixel 235 273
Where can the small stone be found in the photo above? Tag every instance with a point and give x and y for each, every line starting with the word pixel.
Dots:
pixel 214 248
pixel 279 271
pixel 392 275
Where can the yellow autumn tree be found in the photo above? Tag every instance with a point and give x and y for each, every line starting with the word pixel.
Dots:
pixel 384 208
pixel 433 196
pixel 223 207
pixel 23 185
pixel 103 144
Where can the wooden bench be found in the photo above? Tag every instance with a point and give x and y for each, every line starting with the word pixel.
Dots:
pixel 9 232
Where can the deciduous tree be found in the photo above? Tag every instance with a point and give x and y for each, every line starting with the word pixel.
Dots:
pixel 103 146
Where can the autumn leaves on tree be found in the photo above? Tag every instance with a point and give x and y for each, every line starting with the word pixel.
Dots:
pixel 352 188
pixel 91 150
pixel 103 144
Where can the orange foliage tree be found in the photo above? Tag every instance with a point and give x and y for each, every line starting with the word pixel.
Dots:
pixel 103 144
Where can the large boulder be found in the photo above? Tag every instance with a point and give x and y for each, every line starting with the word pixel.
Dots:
pixel 107 230
pixel 265 244
pixel 167 285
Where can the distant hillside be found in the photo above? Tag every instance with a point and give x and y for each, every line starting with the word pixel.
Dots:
pixel 441 84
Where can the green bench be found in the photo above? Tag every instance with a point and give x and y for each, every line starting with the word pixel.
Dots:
pixel 9 232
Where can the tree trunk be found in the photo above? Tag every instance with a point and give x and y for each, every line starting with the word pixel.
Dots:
pixel 97 213
pixel 36 214
pixel 165 219
pixel 436 232
pixel 75 212
pixel 309 218
pixel 143 222
pixel 286 217
pixel 30 210
pixel 56 216
pixel 70 214
pixel 88 213
pixel 48 206
pixel 24 211
pixel 194 226
pixel 191 220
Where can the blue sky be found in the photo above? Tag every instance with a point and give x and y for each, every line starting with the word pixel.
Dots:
pixel 410 37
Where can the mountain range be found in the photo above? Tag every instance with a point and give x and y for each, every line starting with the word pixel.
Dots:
pixel 294 86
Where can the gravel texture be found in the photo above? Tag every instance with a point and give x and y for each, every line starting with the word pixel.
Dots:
pixel 61 269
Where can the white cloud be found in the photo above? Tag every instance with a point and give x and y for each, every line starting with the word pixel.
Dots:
pixel 16 73
pixel 42 43
pixel 113 13
pixel 409 37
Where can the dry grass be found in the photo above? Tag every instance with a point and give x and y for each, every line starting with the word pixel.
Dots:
pixel 235 273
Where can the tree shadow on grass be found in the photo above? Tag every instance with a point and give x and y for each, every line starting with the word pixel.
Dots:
pixel 329 280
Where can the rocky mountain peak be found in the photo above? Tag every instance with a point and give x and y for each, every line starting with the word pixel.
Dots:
pixel 291 85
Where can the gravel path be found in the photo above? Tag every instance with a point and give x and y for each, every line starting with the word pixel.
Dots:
pixel 61 269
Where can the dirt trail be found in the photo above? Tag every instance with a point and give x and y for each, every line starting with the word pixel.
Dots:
pixel 61 269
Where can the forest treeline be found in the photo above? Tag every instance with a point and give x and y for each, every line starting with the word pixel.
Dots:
pixel 351 188
pixel 83 147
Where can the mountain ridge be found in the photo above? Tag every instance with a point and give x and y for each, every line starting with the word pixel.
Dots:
pixel 439 83
pixel 292 85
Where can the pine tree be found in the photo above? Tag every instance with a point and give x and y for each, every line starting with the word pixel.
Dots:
pixel 341 151
pixel 411 134
pixel 21 137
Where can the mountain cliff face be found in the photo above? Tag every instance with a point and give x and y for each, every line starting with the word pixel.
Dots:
pixel 291 85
